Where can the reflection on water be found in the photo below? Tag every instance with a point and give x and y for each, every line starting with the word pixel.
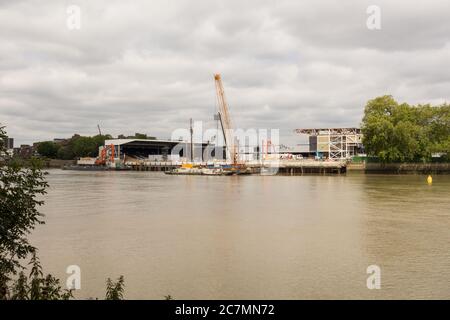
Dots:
pixel 250 236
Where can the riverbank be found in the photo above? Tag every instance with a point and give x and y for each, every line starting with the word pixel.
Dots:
pixel 46 163
pixel 400 168
pixel 299 168
pixel 56 163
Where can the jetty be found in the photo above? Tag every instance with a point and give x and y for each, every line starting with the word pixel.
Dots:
pixel 282 167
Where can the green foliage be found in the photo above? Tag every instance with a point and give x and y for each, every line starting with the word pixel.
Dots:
pixel 137 135
pixel 21 288
pixel 114 290
pixel 48 149
pixel 140 136
pixel 65 153
pixel 84 147
pixel 75 147
pixel 87 146
pixel 79 146
pixel 40 287
pixel 36 286
pixel 402 133
pixel 20 189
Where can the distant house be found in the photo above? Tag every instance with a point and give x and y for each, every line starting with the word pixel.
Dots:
pixel 25 151
pixel 8 143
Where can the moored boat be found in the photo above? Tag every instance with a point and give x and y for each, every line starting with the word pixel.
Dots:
pixel 189 169
pixel 78 167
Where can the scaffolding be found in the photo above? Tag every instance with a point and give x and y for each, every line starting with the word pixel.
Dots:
pixel 338 143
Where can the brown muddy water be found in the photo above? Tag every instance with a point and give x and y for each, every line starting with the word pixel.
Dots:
pixel 248 237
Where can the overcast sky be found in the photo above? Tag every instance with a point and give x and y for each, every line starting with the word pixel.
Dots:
pixel 147 66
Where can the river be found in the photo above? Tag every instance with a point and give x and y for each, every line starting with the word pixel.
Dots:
pixel 248 237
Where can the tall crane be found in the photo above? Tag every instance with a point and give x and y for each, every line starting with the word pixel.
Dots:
pixel 191 130
pixel 225 119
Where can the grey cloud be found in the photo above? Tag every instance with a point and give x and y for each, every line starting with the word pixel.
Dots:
pixel 147 66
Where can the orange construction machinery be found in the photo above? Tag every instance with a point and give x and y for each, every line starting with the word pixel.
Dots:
pixel 103 157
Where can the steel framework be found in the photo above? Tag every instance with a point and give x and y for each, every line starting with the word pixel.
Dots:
pixel 341 143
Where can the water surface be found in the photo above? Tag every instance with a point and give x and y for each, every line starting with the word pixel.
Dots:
pixel 249 237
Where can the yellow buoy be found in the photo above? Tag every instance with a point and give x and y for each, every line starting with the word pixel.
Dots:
pixel 430 180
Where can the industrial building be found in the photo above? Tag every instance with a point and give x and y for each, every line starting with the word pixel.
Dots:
pixel 8 143
pixel 324 143
pixel 161 150
pixel 334 143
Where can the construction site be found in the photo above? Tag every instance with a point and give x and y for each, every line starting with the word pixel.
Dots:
pixel 328 152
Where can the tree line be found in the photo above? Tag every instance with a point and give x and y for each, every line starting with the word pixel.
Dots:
pixel 78 146
pixel 394 132
pixel 75 147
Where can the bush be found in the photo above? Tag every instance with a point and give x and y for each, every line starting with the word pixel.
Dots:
pixel 20 190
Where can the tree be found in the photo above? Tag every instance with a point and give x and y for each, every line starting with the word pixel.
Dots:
pixel 114 290
pixel 20 189
pixel 99 140
pixel 402 133
pixel 48 149
pixel 84 147
pixel 65 153
pixel 87 146
pixel 138 135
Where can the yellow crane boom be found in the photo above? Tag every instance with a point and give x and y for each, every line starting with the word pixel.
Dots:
pixel 225 119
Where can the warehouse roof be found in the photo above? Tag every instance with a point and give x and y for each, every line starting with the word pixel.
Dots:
pixel 119 142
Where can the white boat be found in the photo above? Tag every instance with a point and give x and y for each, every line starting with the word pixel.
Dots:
pixel 215 172
pixel 200 171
